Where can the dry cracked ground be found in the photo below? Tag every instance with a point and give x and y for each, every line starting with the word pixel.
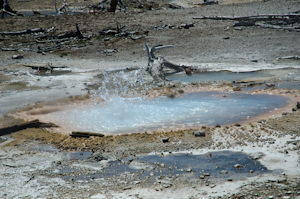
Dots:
pixel 252 159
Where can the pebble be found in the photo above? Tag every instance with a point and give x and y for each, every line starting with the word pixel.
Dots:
pixel 165 139
pixel 199 133
pixel 224 172
pixel 17 57
pixel 237 166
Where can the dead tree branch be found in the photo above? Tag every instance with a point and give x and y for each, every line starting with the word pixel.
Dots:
pixel 285 22
pixel 253 18
pixel 28 31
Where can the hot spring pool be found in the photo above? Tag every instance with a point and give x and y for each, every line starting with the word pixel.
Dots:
pixel 122 115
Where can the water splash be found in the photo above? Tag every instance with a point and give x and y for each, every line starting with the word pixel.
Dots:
pixel 126 86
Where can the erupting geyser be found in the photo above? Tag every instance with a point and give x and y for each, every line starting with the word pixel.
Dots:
pixel 123 114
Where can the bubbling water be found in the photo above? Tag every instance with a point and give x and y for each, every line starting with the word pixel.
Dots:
pixel 126 109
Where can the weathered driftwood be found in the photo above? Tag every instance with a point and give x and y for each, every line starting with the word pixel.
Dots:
pixel 44 67
pixel 27 31
pixel 255 18
pixel 285 21
pixel 142 6
pixel 9 49
pixel 151 51
pixel 289 57
pixel 77 33
pixel 297 29
pixel 6 8
pixel 66 35
pixel 31 124
pixel 156 64
pixel 85 134
pixel 207 3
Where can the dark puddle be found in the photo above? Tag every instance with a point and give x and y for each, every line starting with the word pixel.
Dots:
pixel 216 166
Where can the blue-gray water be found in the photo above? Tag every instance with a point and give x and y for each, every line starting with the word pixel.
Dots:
pixel 121 115
pixel 152 166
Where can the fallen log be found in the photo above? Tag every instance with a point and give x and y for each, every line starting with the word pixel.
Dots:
pixel 297 29
pixel 31 124
pixel 9 49
pixel 255 18
pixel 27 31
pixel 85 134
pixel 6 8
pixel 44 67
pixel 207 3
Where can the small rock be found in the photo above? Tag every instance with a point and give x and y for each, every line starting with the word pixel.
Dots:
pixel 127 188
pixel 229 179
pixel 270 85
pixel 201 177
pixel 17 57
pixel 165 139
pixel 199 133
pixel 224 172
pixel 256 155
pixel 170 95
pixel 237 166
pixel 206 174
pixel 212 186
pixel 166 186
pixel 238 28
pixel 189 170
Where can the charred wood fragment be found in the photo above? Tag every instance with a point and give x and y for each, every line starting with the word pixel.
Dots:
pixel 85 134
